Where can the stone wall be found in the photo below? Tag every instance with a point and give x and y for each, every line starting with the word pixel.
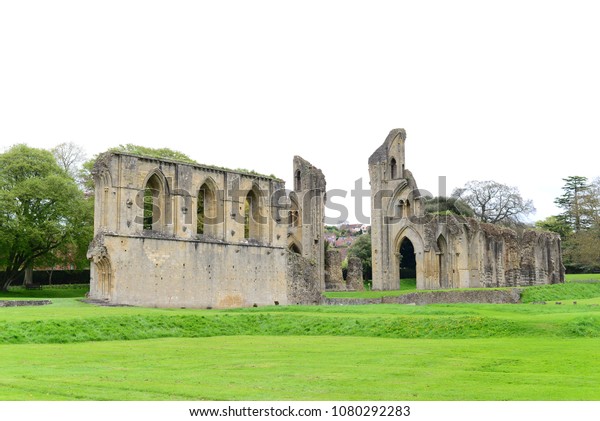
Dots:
pixel 511 296
pixel 334 280
pixel 450 251
pixel 23 303
pixel 354 277
pixel 306 230
pixel 175 234
pixel 163 272
pixel 303 285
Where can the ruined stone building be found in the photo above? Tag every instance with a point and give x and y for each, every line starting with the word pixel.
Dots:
pixel 175 234
pixel 446 251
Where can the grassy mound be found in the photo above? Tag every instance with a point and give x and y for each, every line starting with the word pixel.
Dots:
pixel 191 326
pixel 557 292
pixel 69 321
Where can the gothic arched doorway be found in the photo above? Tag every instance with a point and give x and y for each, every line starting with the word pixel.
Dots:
pixel 408 262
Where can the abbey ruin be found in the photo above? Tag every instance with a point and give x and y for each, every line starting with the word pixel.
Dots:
pixel 176 234
pixel 173 234
pixel 447 251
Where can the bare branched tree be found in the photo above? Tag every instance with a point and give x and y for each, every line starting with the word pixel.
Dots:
pixel 494 202
pixel 69 157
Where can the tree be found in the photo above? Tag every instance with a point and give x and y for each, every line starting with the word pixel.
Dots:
pixel 580 222
pixel 448 205
pixel 583 250
pixel 554 224
pixel 42 210
pixel 69 157
pixel 575 202
pixel 593 202
pixel 161 153
pixel 85 177
pixel 494 202
pixel 361 248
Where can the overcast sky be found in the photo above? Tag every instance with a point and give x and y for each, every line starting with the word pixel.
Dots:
pixel 506 90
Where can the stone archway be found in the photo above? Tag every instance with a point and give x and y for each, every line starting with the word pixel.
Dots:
pixel 104 273
pixel 407 261
pixel 155 202
pixel 408 241
pixel 101 282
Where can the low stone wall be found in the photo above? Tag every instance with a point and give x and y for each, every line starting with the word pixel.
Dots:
pixel 510 296
pixel 22 303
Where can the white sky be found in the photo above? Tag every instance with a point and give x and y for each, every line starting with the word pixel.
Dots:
pixel 505 90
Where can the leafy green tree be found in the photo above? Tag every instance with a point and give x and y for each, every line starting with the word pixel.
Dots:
pixel 448 205
pixel 578 224
pixel 85 177
pixel 86 180
pixel 582 251
pixel 593 202
pixel 555 224
pixel 361 248
pixel 42 211
pixel 161 153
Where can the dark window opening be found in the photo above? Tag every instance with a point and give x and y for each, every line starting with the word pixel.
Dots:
pixel 151 203
pixel 200 214
pixel 442 261
pixel 297 181
pixel 393 169
pixel 252 217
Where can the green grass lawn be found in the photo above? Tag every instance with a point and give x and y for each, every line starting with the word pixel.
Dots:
pixel 406 286
pixel 55 291
pixel 574 277
pixel 72 350
pixel 304 368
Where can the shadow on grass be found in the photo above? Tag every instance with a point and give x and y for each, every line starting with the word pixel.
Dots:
pixel 50 291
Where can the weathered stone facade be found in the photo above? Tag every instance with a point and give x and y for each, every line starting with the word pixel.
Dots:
pixel 354 277
pixel 301 285
pixel 173 234
pixel 449 251
pixel 334 279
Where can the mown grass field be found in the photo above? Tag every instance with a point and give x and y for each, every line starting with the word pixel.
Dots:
pixel 75 351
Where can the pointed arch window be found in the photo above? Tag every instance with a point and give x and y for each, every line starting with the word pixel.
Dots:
pixel 393 169
pixel 294 213
pixel 152 204
pixel 252 216
pixel 206 211
pixel 442 261
pixel 297 180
